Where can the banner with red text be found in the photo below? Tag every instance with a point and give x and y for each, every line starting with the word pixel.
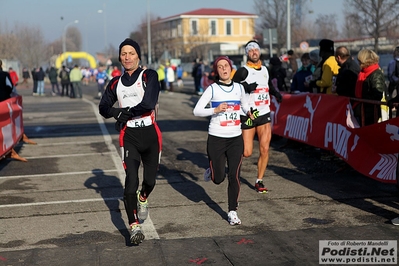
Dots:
pixel 11 123
pixel 327 122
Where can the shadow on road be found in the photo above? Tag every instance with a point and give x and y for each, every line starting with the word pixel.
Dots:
pixel 111 190
pixel 185 183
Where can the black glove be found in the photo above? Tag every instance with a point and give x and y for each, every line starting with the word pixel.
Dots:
pixel 121 114
pixel 279 97
pixel 249 87
pixel 276 94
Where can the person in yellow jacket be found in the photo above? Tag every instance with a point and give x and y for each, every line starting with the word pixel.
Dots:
pixel 161 77
pixel 329 67
pixel 75 76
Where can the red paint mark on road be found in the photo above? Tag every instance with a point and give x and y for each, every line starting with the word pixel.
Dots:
pixel 245 241
pixel 2 258
pixel 198 261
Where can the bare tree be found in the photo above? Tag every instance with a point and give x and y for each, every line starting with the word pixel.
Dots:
pixel 73 39
pixel 24 43
pixel 273 14
pixel 377 17
pixel 352 26
pixel 327 26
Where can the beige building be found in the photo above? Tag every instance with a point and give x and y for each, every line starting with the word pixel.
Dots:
pixel 202 33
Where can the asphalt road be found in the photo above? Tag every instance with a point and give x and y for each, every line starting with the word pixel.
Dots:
pixel 63 206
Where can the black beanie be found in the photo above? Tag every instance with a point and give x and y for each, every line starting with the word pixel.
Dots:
pixel 326 45
pixel 132 43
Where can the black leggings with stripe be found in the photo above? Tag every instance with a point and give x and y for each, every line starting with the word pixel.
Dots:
pixel 142 144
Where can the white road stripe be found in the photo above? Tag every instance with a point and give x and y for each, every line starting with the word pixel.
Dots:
pixel 61 143
pixel 68 155
pixel 58 174
pixel 55 202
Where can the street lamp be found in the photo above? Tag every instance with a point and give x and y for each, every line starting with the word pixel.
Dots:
pixel 64 35
pixel 149 34
pixel 102 11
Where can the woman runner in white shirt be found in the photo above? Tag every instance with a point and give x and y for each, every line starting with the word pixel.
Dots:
pixel 225 143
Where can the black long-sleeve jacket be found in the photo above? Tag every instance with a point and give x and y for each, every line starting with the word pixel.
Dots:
pixel 150 98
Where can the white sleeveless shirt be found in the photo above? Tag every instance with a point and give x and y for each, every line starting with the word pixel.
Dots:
pixel 132 96
pixel 259 98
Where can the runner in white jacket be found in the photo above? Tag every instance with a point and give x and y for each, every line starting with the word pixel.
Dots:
pixel 226 104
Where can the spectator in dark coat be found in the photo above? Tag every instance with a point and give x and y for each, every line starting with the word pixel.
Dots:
pixel 345 82
pixel 6 85
pixel 53 77
pixel 34 81
pixel 277 73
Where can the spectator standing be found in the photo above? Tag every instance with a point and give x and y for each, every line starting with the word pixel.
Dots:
pixel 14 76
pixel 179 74
pixel 40 75
pixel 315 61
pixel 225 143
pixel 370 85
pixel 65 82
pixel 303 75
pixel 76 77
pixel 329 66
pixel 25 76
pixel 292 63
pixel 161 77
pixel 277 74
pixel 170 74
pixel 393 76
pixel 137 92
pixel 347 74
pixel 53 77
pixel 255 79
pixel 198 69
pixel 6 85
pixel 34 78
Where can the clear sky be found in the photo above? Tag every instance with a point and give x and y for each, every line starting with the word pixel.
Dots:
pixel 120 16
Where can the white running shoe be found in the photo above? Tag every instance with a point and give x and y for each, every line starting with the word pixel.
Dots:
pixel 136 234
pixel 233 218
pixel 395 221
pixel 142 208
pixel 207 175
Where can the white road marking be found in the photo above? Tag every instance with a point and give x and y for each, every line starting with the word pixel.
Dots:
pixel 56 202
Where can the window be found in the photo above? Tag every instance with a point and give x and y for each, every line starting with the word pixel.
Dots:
pixel 212 27
pixel 179 31
pixel 229 27
pixel 194 27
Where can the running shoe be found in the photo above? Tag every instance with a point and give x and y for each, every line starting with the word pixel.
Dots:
pixel 207 175
pixel 136 234
pixel 395 221
pixel 142 208
pixel 260 188
pixel 233 218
